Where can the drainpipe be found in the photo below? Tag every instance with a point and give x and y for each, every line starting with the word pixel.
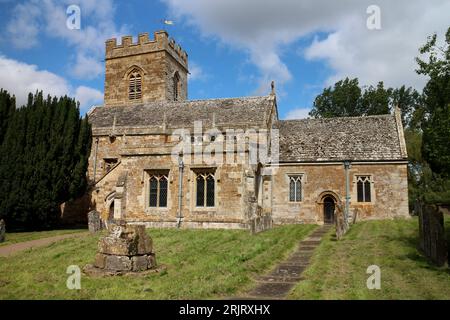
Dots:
pixel 180 189
pixel 347 166
pixel 95 159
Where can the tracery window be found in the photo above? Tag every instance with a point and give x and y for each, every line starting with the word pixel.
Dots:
pixel 295 188
pixel 363 188
pixel 158 190
pixel 205 189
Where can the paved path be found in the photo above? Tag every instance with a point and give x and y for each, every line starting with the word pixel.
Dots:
pixel 10 249
pixel 278 283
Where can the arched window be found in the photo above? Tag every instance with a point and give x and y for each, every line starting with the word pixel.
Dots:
pixel 205 189
pixel 158 190
pixel 295 188
pixel 176 84
pixel 135 85
pixel 363 184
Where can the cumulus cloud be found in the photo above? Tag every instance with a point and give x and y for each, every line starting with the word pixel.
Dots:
pixel 34 18
pixel 20 79
pixel 299 113
pixel 88 96
pixel 196 72
pixel 266 30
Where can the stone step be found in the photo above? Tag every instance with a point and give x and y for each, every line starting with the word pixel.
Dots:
pixel 301 261
pixel 310 243
pixel 271 290
pixel 278 279
pixel 288 270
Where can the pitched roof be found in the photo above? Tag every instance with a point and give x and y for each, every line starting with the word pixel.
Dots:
pixel 368 138
pixel 250 110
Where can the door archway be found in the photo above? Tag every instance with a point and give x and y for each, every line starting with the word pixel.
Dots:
pixel 329 206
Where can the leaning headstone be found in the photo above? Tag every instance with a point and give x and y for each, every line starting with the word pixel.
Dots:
pixel 94 221
pixel 340 221
pixel 432 236
pixel 126 249
pixel 2 230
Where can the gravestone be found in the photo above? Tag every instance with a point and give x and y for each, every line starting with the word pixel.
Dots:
pixel 94 221
pixel 432 237
pixel 340 221
pixel 2 230
pixel 126 249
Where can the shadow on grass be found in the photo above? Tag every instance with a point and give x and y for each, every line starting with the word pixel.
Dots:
pixel 415 255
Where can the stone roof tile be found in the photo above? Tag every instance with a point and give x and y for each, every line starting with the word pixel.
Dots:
pixel 250 110
pixel 368 138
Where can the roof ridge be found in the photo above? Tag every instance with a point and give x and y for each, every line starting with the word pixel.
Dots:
pixel 349 117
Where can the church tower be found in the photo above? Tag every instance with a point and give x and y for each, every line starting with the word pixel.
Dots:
pixel 146 71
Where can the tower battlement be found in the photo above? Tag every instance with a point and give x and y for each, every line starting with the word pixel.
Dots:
pixel 144 45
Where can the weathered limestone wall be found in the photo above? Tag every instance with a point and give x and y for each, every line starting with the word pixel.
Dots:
pixel 228 189
pixel 389 191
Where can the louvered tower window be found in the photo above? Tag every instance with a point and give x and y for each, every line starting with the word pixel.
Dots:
pixel 135 86
pixel 176 84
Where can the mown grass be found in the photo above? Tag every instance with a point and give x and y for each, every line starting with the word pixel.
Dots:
pixel 338 269
pixel 201 264
pixel 15 237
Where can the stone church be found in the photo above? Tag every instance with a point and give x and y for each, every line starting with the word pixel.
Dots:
pixel 139 173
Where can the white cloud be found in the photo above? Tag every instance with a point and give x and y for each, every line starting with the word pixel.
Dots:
pixel 300 113
pixel 88 96
pixel 34 18
pixel 265 30
pixel 20 79
pixel 196 72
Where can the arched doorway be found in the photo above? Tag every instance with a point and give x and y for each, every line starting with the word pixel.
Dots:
pixel 328 209
pixel 111 212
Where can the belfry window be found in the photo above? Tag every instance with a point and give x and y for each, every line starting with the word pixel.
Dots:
pixel 363 188
pixel 176 84
pixel 135 85
pixel 158 187
pixel 295 188
pixel 205 185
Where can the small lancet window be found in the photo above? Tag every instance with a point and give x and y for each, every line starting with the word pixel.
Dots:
pixel 135 85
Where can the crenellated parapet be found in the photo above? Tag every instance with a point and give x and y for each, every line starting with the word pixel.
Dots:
pixel 145 45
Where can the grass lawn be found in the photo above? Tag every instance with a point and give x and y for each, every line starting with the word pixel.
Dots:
pixel 15 237
pixel 338 269
pixel 200 264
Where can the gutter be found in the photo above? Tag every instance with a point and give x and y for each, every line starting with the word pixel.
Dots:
pixel 347 166
pixel 180 190
pixel 95 161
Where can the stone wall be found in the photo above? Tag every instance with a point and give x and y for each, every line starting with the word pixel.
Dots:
pixel 389 191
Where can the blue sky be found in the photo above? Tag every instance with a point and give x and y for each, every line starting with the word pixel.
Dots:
pixel 235 47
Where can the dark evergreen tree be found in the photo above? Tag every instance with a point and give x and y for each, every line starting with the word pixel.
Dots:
pixel 43 161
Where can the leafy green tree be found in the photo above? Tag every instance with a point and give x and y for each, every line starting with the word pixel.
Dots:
pixel 436 120
pixel 375 100
pixel 343 100
pixel 347 99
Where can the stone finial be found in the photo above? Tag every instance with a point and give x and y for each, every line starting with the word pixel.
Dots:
pixel 272 88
